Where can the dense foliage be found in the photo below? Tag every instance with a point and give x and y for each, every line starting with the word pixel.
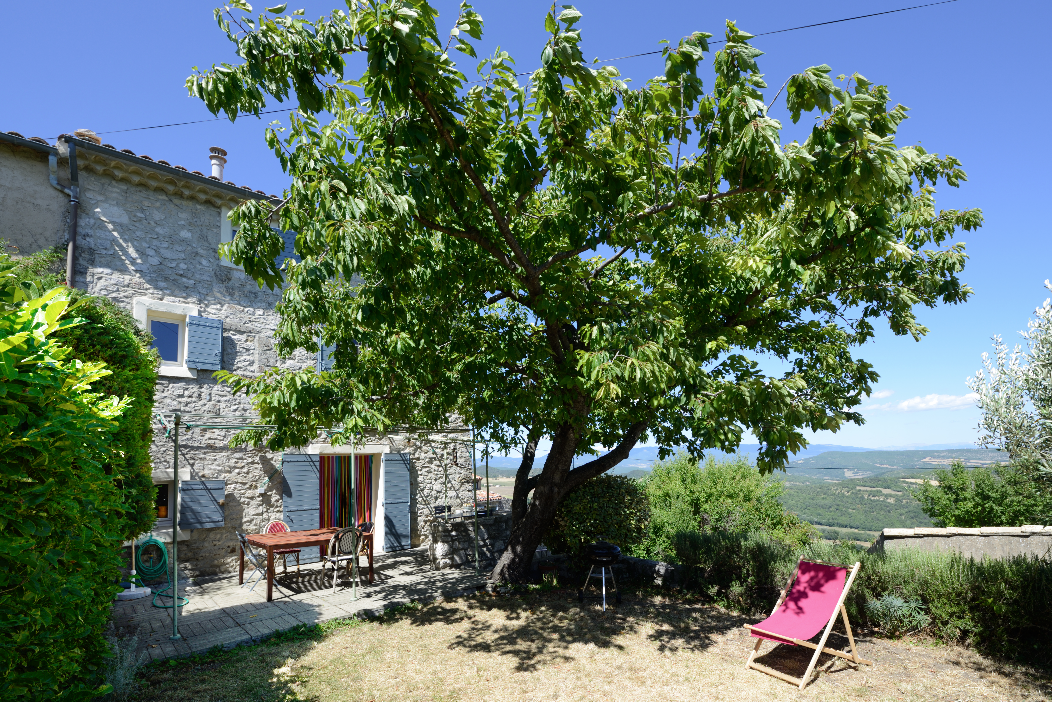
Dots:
pixel 611 508
pixel 111 336
pixel 1006 495
pixel 61 514
pixel 572 258
pixel 719 496
pixel 868 504
pixel 74 475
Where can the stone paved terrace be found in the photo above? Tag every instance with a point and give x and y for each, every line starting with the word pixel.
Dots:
pixel 222 613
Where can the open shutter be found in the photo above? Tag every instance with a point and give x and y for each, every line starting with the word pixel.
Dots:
pixel 323 362
pixel 300 497
pixel 204 343
pixel 201 504
pixel 290 249
pixel 397 493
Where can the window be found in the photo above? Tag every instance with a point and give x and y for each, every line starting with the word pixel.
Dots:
pixel 163 504
pixel 167 322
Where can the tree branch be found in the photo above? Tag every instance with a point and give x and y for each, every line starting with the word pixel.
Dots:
pixel 475 237
pixel 604 463
pixel 533 186
pixel 560 257
pixel 607 262
pixel 484 193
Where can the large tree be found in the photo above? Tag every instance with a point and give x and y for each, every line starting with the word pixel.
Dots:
pixel 568 258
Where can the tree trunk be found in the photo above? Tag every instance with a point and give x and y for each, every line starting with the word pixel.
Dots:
pixel 554 482
pixel 523 484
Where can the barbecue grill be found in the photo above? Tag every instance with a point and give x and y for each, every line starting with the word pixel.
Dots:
pixel 601 555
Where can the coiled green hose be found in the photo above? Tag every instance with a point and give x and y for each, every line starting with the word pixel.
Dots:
pixel 154 570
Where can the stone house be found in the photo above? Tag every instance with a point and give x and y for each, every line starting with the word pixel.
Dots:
pixel 145 234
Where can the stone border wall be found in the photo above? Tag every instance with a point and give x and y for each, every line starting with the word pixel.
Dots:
pixel 984 542
pixel 452 543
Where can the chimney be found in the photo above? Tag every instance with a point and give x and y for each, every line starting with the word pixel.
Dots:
pixel 218 158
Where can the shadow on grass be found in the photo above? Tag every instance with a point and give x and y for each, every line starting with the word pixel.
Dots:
pixel 541 628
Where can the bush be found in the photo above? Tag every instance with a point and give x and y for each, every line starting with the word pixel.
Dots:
pixel 1009 495
pixel 896 616
pixel 63 517
pixel 610 508
pixel 723 496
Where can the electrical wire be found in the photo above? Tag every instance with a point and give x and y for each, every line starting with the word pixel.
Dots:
pixel 527 73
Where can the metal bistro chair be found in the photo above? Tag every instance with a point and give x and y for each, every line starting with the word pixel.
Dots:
pixel 258 561
pixel 279 527
pixel 343 548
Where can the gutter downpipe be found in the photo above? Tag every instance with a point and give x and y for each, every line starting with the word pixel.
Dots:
pixel 74 202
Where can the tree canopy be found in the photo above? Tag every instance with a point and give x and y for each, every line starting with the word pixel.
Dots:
pixel 568 256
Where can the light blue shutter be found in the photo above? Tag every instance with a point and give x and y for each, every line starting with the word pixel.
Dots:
pixel 300 497
pixel 200 504
pixel 323 360
pixel 290 248
pixel 397 494
pixel 204 343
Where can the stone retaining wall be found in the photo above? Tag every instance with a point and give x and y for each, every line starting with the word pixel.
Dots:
pixel 988 542
pixel 452 543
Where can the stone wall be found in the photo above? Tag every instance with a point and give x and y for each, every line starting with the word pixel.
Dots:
pixel 452 543
pixel 33 215
pixel 985 542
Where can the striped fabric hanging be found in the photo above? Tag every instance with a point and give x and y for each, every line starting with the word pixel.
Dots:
pixel 364 479
pixel 335 489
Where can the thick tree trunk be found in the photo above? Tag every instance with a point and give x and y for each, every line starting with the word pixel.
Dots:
pixel 523 484
pixel 554 482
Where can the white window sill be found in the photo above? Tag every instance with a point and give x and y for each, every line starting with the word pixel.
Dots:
pixel 177 372
pixel 163 534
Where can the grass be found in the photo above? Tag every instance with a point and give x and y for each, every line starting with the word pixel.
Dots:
pixel 543 645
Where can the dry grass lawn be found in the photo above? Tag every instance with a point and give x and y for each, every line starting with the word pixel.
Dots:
pixel 545 646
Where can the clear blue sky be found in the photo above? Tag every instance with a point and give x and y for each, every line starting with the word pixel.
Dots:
pixel 968 70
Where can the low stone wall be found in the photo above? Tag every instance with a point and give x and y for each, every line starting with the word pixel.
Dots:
pixel 988 542
pixel 452 542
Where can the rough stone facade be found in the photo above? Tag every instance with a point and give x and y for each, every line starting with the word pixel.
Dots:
pixel 150 232
pixel 452 542
pixel 984 542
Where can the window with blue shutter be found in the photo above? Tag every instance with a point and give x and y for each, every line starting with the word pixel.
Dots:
pixel 201 504
pixel 396 503
pixel 290 249
pixel 300 497
pixel 204 343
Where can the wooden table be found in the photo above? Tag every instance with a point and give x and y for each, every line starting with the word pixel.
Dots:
pixel 280 540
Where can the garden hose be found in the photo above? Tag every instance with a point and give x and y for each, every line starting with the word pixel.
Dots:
pixel 154 568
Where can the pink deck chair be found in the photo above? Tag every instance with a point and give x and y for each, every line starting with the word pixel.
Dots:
pixel 279 527
pixel 811 600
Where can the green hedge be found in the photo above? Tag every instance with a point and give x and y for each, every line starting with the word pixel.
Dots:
pixel 69 496
pixel 611 508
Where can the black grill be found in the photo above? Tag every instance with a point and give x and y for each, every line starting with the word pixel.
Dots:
pixel 602 554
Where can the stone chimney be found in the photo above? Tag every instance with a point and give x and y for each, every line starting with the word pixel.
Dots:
pixel 218 158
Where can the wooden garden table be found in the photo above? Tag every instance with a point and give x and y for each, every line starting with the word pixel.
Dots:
pixel 280 540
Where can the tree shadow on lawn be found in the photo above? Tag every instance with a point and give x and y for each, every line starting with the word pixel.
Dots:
pixel 540 628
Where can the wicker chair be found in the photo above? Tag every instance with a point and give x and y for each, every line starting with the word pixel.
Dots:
pixel 343 548
pixel 279 527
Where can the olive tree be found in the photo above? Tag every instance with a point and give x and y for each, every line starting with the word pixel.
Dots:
pixel 563 257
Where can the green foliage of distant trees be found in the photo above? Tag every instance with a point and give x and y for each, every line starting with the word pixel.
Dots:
pixel 867 504
pixel 74 480
pixel 1006 495
pixel 729 496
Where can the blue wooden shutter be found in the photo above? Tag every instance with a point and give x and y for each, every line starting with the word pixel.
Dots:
pixel 323 361
pixel 290 249
pixel 397 494
pixel 204 343
pixel 300 498
pixel 201 504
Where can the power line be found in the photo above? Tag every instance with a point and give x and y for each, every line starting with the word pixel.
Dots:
pixel 618 58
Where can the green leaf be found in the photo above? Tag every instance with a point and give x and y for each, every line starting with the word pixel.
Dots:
pixel 277 9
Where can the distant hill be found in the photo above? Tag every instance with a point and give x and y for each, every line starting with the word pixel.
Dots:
pixel 870 463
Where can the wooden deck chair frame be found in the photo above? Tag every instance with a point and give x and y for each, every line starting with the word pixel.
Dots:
pixel 821 647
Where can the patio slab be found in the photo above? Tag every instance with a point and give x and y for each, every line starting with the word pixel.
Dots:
pixel 222 613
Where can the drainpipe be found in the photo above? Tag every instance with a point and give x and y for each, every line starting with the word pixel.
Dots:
pixel 74 201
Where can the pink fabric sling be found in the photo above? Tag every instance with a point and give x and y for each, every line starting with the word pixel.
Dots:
pixel 808 606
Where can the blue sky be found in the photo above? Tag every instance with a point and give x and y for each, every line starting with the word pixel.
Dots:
pixel 969 71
